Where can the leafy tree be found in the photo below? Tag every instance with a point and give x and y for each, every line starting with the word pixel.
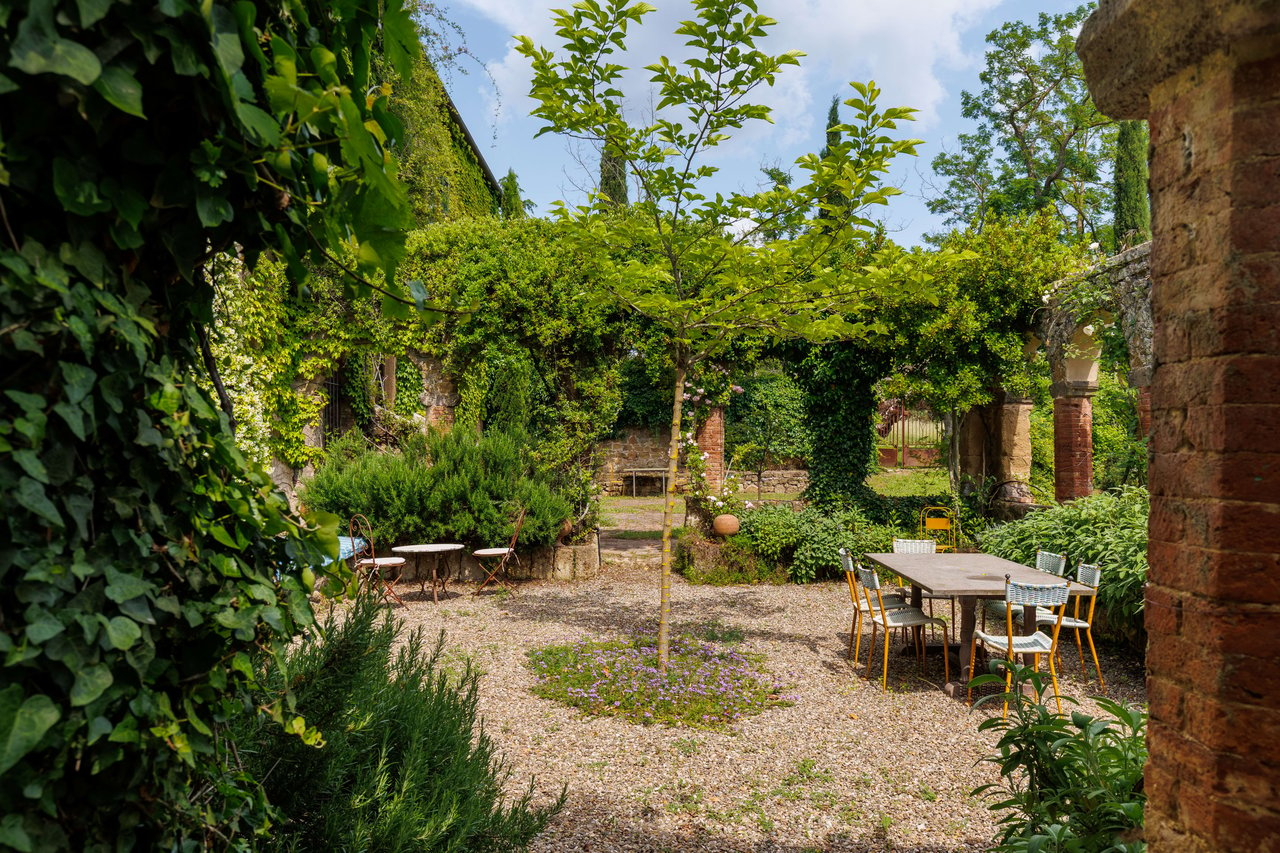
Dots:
pixel 702 279
pixel 1040 142
pixel 143 554
pixel 513 206
pixel 1132 204
pixel 765 424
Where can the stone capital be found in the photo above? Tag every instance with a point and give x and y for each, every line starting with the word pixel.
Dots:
pixel 1068 388
pixel 1130 46
pixel 1140 377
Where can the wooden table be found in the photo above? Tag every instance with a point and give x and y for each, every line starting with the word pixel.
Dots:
pixel 970 578
pixel 437 550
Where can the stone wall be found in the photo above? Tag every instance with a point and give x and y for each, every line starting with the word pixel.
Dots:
pixel 779 482
pixel 645 448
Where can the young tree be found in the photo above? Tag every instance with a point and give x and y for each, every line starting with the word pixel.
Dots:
pixel 696 264
pixel 513 205
pixel 1054 145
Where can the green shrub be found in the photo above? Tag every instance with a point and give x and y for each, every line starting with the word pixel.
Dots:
pixel 808 542
pixel 1070 782
pixel 444 487
pixel 1109 529
pixel 404 765
pixel 729 563
pixel 1119 452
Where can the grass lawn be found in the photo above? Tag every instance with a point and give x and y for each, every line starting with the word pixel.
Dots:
pixel 900 482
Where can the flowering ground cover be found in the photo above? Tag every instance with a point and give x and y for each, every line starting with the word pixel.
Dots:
pixel 705 685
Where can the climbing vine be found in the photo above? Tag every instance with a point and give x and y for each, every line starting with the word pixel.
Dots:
pixel 147 560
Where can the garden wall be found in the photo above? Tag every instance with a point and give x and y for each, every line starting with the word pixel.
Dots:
pixel 638 448
pixel 545 562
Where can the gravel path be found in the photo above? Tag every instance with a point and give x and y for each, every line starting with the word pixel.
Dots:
pixel 846 768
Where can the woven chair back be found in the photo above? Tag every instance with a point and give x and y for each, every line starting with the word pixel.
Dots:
pixel 915 546
pixel 1054 564
pixel 1089 574
pixel 1036 594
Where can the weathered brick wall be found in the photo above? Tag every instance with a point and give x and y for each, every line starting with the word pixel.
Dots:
pixel 1072 447
pixel 633 448
pixel 710 438
pixel 1205 73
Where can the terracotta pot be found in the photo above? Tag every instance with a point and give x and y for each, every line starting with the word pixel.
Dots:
pixel 725 525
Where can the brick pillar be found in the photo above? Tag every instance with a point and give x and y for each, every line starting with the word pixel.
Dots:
pixel 1205 72
pixel 1072 444
pixel 1144 411
pixel 711 442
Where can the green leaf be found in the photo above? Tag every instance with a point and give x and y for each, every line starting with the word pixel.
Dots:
pixel 23 722
pixel 92 11
pixel 123 632
pixel 78 193
pixel 79 381
pixel 121 89
pixel 44 628
pixel 31 496
pixel 13 835
pixel 90 683
pixel 122 587
pixel 214 210
pixel 31 464
pixel 38 49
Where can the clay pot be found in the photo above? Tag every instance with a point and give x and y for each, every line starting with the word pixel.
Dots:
pixel 726 524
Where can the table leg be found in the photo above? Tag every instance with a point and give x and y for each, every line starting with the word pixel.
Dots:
pixel 435 573
pixel 968 624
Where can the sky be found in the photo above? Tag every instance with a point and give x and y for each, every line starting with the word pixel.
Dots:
pixel 921 53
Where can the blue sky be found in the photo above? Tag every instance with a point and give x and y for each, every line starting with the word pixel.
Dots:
pixel 921 53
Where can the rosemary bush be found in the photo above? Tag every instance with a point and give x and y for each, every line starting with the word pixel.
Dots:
pixel 404 765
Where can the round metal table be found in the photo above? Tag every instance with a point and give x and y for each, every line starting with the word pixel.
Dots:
pixel 437 550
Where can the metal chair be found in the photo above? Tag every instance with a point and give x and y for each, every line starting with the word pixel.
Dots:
pixel 902 617
pixel 861 607
pixel 939 524
pixel 368 565
pixel 1047 562
pixel 1091 576
pixel 925 546
pixel 502 555
pixel 1037 644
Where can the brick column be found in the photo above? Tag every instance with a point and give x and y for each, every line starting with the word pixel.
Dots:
pixel 711 442
pixel 1205 72
pixel 1072 441
pixel 1144 411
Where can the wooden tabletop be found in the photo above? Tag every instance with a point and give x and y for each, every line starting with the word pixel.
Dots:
pixel 978 575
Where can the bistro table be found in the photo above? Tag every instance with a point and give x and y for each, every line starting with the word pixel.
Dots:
pixel 437 550
pixel 968 577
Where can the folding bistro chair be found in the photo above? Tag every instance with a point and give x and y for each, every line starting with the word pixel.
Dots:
pixel 1037 644
pixel 861 607
pixel 368 565
pixel 500 556
pixel 939 524
pixel 1089 575
pixel 902 617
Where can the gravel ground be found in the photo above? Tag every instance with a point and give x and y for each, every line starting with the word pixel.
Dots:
pixel 846 768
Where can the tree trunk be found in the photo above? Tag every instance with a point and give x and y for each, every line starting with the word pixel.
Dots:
pixel 668 516
pixel 953 450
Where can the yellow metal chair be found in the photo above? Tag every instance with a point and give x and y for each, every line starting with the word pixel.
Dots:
pixel 861 608
pixel 901 617
pixel 1091 576
pixel 939 524
pixel 1053 595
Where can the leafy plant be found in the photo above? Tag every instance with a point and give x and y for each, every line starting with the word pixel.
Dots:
pixel 808 542
pixel 146 559
pixel 444 487
pixel 726 563
pixel 1109 529
pixel 404 764
pixel 1070 782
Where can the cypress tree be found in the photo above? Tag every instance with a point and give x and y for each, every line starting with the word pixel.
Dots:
pixel 613 177
pixel 833 138
pixel 513 206
pixel 1132 223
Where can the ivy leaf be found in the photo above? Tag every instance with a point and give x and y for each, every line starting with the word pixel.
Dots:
pixel 92 11
pixel 31 464
pixel 13 835
pixel 79 381
pixel 23 723
pixel 90 683
pixel 123 632
pixel 121 89
pixel 78 194
pixel 122 587
pixel 214 210
pixel 39 49
pixel 31 495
